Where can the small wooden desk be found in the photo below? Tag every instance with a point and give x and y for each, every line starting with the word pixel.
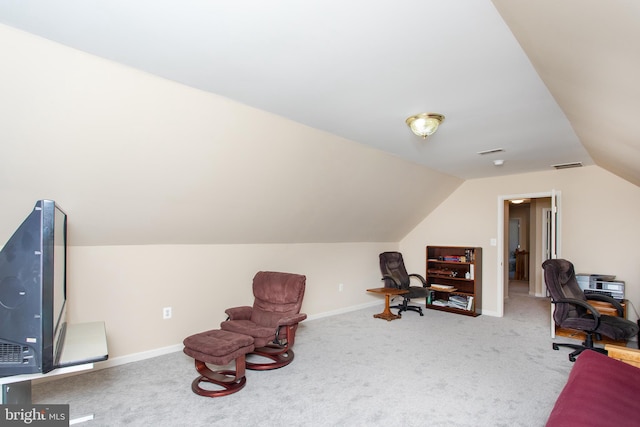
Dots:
pixel 387 314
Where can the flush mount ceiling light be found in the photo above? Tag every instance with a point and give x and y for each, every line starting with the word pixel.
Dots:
pixel 425 124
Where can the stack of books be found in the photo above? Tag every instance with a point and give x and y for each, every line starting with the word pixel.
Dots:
pixel 458 301
pixel 461 302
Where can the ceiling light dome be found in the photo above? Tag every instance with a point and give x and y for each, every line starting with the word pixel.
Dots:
pixel 425 124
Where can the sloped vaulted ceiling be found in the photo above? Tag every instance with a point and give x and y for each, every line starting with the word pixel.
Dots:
pixel 588 55
pixel 137 159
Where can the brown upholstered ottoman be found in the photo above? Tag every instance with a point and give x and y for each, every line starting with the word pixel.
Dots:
pixel 218 347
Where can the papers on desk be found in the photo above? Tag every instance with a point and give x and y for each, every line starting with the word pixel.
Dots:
pixel 439 287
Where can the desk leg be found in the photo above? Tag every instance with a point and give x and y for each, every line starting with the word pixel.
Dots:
pixel 387 314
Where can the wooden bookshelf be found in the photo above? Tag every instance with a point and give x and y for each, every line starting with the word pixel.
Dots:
pixel 454 277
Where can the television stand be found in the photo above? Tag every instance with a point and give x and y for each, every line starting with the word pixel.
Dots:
pixel 84 344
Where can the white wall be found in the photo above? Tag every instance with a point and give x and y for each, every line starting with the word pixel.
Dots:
pixel 600 233
pixel 127 286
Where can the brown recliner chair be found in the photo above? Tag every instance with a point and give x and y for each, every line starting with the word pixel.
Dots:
pixel 573 311
pixel 273 319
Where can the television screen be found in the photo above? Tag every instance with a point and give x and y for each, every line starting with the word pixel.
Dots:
pixel 33 292
pixel 59 280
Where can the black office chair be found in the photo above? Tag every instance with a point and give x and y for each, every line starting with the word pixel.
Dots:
pixel 573 311
pixel 395 275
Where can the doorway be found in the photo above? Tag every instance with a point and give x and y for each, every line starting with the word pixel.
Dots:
pixel 538 229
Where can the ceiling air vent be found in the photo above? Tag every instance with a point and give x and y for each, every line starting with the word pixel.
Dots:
pixel 568 165
pixel 493 150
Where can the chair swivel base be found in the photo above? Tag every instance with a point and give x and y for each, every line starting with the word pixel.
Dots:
pixel 406 307
pixel 579 348
pixel 279 355
pixel 230 381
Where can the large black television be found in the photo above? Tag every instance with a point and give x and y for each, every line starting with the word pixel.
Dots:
pixel 33 292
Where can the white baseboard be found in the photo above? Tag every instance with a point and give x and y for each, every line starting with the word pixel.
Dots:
pixel 110 363
pixel 490 313
pixel 344 310
pixel 137 357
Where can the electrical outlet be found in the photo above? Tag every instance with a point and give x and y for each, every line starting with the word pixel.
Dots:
pixel 166 313
pixel 340 287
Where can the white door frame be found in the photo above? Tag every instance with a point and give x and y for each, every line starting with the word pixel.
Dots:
pixel 555 196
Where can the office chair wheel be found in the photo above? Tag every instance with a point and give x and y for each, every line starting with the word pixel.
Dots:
pixel 555 346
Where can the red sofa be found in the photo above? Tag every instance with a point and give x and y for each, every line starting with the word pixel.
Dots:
pixel 601 391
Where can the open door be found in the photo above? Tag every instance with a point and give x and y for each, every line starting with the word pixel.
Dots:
pixel 554 249
pixel 555 224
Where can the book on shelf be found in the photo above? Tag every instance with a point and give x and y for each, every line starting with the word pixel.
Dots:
pixel 469 254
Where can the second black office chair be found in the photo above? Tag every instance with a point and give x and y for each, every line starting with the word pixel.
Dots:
pixel 395 275
pixel 573 311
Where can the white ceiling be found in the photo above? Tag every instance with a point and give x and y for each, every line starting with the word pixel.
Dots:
pixel 358 69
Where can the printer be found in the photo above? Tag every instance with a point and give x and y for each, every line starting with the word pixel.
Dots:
pixel 602 284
